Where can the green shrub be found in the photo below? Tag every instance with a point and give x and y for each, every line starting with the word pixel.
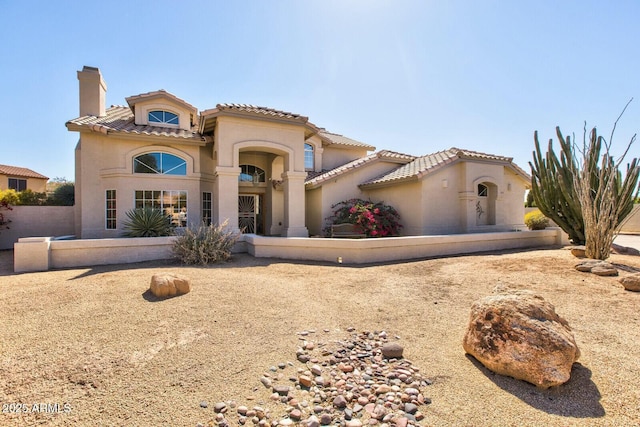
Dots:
pixel 536 220
pixel 63 195
pixel 9 197
pixel 32 198
pixel 205 244
pixel 147 222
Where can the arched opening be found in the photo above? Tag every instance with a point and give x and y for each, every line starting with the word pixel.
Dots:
pixel 486 193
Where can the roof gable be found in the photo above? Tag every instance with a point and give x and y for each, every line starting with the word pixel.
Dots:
pixel 315 180
pixel 160 95
pixel 329 138
pixel 425 165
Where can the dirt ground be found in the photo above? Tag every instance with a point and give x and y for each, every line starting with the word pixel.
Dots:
pixel 89 346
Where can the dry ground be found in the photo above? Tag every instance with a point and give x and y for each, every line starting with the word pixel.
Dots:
pixel 93 339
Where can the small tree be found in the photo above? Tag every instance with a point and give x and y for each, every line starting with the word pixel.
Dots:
pixel 63 195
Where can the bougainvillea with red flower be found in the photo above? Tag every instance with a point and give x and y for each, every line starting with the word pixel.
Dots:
pixel 375 219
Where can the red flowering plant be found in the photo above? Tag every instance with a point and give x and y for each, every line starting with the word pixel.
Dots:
pixel 375 219
pixel 4 206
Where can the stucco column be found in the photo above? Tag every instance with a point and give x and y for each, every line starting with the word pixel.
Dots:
pixel 467 210
pixel 294 204
pixel 226 196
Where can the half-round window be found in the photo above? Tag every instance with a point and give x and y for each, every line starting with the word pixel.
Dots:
pixel 250 173
pixel 159 163
pixel 164 117
pixel 483 190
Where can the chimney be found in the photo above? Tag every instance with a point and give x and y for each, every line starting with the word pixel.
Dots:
pixel 92 92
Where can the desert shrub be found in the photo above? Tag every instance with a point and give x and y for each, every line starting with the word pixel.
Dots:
pixel 375 219
pixel 147 222
pixel 31 198
pixel 63 195
pixel 205 244
pixel 9 197
pixel 536 220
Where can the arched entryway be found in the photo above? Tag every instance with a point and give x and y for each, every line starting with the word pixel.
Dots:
pixel 487 194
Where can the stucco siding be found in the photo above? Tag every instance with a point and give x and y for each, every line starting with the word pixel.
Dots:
pixel 335 157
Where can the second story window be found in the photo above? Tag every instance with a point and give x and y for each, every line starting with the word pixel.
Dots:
pixel 164 117
pixel 159 163
pixel 308 156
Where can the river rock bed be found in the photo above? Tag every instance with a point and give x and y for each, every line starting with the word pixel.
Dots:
pixel 349 383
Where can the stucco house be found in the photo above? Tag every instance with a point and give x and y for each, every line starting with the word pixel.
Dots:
pixel 268 171
pixel 20 179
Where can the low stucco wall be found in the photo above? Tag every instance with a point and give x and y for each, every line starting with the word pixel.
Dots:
pixel 30 221
pixel 362 251
pixel 44 253
pixel 632 222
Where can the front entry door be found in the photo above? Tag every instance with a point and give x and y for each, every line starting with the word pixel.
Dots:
pixel 250 214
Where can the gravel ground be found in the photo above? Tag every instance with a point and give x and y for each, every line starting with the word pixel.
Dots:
pixel 90 346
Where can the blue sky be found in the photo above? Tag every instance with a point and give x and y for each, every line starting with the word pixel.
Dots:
pixel 410 76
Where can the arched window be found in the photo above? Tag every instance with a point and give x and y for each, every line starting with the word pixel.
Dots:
pixel 250 173
pixel 164 117
pixel 159 163
pixel 308 156
pixel 483 190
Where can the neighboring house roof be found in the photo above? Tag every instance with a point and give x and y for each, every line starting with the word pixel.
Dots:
pixel 315 179
pixel 336 139
pixel 425 165
pixel 120 119
pixel 20 172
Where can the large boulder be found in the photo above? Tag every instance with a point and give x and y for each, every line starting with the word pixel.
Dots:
pixel 169 285
pixel 632 282
pixel 517 333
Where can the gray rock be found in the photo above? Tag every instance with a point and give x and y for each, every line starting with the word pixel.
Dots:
pixel 392 350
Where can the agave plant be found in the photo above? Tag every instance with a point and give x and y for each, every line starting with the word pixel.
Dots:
pixel 147 222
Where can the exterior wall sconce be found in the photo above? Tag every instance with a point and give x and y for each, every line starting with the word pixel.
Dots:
pixel 445 183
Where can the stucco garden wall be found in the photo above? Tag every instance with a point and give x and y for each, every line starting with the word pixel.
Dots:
pixel 43 253
pixel 29 221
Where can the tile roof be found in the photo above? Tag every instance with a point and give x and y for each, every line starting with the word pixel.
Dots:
pixel 334 138
pixel 20 172
pixel 120 119
pixel 254 109
pixel 424 165
pixel 316 178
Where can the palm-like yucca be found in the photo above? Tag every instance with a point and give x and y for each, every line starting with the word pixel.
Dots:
pixel 147 222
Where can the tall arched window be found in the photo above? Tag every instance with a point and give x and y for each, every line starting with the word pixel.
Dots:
pixel 308 156
pixel 164 117
pixel 159 163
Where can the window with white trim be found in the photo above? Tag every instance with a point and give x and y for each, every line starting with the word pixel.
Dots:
pixel 159 163
pixel 17 184
pixel 308 157
pixel 206 208
pixel 163 117
pixel 110 210
pixel 170 202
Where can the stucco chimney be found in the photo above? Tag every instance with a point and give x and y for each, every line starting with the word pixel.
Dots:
pixel 92 92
